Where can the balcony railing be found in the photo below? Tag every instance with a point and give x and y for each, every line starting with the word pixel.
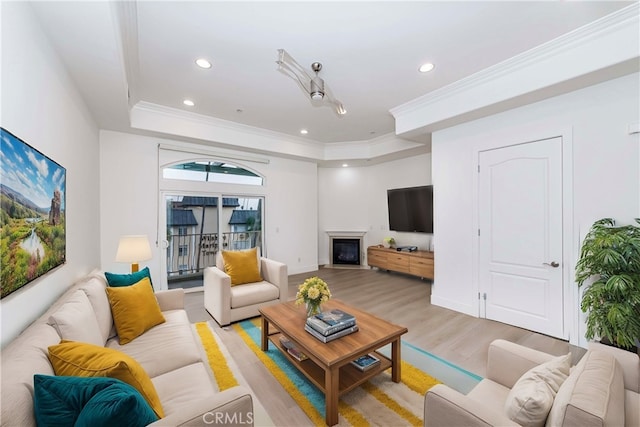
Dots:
pixel 189 254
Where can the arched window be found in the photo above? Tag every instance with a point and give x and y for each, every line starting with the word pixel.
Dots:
pixel 212 171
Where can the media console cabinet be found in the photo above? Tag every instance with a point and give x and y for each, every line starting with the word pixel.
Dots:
pixel 417 263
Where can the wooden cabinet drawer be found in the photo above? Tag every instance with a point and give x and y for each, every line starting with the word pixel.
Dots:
pixel 422 267
pixel 376 259
pixel 422 270
pixel 399 262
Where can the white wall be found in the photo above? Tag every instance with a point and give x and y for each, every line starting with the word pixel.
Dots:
pixel 605 177
pixel 41 106
pixel 130 190
pixel 355 199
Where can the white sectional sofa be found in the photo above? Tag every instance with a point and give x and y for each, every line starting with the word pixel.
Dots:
pixel 170 353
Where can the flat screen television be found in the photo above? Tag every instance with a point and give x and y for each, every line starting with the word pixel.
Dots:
pixel 411 209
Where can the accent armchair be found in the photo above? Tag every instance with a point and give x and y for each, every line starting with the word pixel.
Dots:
pixel 601 390
pixel 227 303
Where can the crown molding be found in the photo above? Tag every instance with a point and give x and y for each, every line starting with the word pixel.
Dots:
pixel 213 122
pixel 126 24
pixel 380 146
pixel 173 121
pixel 624 21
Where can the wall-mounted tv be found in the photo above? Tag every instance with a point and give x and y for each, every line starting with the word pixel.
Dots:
pixel 411 209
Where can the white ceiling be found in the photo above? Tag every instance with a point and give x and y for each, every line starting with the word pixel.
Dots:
pixel 370 53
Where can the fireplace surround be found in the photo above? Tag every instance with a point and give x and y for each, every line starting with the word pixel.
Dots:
pixel 346 248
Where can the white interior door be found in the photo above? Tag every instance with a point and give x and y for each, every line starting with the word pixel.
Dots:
pixel 520 248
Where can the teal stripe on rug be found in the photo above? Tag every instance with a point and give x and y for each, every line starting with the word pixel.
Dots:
pixel 446 372
pixel 441 360
pixel 310 391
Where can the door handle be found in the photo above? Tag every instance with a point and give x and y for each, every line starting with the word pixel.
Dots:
pixel 553 264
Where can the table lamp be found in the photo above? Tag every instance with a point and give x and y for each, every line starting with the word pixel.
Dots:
pixel 133 249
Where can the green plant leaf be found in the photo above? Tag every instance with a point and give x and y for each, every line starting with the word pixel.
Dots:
pixel 610 258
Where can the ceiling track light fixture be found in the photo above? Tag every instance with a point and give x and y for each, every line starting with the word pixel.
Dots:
pixel 313 86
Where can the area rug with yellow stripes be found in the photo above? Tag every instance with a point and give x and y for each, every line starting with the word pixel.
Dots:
pixel 225 371
pixel 379 401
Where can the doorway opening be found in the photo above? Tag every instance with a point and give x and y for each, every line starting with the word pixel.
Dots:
pixel 199 227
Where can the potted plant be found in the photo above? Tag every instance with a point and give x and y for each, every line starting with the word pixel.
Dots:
pixel 388 242
pixel 610 255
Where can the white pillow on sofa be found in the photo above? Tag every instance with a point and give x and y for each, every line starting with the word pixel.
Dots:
pixel 531 397
pixel 95 290
pixel 76 321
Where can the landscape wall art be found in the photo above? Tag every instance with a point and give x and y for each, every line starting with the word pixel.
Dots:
pixel 32 213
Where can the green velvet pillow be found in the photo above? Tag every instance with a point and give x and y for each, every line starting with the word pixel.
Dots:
pixel 118 280
pixel 95 402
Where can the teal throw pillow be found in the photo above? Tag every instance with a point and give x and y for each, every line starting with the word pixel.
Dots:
pixel 117 280
pixel 88 401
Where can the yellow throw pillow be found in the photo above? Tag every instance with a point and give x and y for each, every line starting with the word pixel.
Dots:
pixel 79 359
pixel 135 309
pixel 242 266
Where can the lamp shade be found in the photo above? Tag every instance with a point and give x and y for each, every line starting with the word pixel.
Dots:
pixel 133 249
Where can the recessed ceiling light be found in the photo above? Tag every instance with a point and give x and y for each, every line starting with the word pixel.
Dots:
pixel 188 103
pixel 203 63
pixel 344 165
pixel 425 68
pixel 304 131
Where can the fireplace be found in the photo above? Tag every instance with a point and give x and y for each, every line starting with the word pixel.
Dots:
pixel 345 251
pixel 345 248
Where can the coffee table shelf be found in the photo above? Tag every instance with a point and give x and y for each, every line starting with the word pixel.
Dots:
pixel 350 376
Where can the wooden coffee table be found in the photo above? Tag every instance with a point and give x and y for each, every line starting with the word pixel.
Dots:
pixel 328 366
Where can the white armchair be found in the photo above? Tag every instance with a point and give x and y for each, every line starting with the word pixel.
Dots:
pixel 227 304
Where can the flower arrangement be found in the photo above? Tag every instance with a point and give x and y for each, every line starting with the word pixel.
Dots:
pixel 389 241
pixel 313 292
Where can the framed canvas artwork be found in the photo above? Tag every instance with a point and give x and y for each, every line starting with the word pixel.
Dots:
pixel 32 213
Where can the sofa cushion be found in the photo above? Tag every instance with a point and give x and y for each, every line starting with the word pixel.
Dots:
pixel 92 402
pixel 95 290
pixel 21 358
pixel 253 293
pixel 242 266
pixel 490 395
pixel 593 395
pixel 86 360
pixel 531 398
pixel 631 408
pixel 75 320
pixel 118 280
pixel 135 309
pixel 173 339
pixel 184 385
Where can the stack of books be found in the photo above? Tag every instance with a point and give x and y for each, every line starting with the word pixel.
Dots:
pixel 330 325
pixel 292 349
pixel 366 362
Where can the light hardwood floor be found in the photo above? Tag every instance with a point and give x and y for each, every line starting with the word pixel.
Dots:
pixel 404 300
